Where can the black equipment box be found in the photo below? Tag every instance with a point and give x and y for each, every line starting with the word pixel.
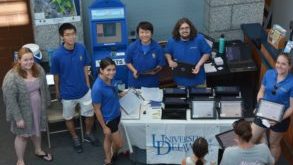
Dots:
pixel 175 92
pixel 227 91
pixel 174 113
pixel 175 102
pixel 200 92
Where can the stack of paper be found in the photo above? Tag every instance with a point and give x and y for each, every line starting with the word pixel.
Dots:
pixel 208 67
pixel 152 94
pixel 130 103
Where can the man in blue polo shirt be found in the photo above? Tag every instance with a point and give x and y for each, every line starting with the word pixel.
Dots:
pixel 69 64
pixel 187 46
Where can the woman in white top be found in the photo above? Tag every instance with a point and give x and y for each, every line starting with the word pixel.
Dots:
pixel 200 149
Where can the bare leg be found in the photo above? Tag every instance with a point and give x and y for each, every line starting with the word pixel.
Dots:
pixel 71 128
pixel 107 148
pixel 89 122
pixel 117 141
pixel 20 145
pixel 275 139
pixel 257 133
pixel 37 141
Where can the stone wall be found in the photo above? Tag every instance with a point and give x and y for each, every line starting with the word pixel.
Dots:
pixel 226 16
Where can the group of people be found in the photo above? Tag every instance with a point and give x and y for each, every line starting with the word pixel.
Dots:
pixel 26 93
pixel 276 86
pixel 145 57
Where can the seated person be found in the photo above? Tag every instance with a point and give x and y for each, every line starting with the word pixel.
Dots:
pixel 200 149
pixel 144 58
pixel 246 152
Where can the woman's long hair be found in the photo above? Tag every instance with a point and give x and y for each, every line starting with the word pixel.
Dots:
pixel 200 149
pixel 17 67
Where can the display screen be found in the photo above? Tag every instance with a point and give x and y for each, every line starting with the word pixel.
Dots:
pixel 113 13
pixel 226 139
pixel 108 33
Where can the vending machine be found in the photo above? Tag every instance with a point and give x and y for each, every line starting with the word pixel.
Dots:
pixel 109 37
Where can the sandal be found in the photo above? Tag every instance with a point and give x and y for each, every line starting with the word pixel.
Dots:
pixel 45 157
pixel 114 157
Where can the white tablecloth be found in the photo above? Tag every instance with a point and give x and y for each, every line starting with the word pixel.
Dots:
pixel 169 141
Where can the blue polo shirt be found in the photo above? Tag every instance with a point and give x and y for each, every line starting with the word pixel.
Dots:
pixel 144 59
pixel 284 88
pixel 189 52
pixel 69 66
pixel 107 96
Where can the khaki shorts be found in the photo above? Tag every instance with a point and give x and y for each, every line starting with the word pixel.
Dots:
pixel 85 103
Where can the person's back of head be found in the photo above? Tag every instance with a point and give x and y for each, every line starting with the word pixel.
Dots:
pixel 200 149
pixel 242 128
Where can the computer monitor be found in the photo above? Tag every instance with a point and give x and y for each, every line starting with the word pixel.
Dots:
pixel 108 32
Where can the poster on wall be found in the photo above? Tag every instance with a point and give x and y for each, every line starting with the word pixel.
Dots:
pixel 56 11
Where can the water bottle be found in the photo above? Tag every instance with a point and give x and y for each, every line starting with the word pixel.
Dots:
pixel 15 56
pixel 222 44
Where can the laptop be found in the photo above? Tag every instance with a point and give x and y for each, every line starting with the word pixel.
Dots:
pixel 226 139
pixel 239 59
pixel 184 70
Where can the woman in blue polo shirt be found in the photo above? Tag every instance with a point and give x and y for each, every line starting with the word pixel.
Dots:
pixel 107 107
pixel 144 58
pixel 277 86
pixel 187 46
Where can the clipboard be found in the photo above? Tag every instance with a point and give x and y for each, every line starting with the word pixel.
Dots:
pixel 270 110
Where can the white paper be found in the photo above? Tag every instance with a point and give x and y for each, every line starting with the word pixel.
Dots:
pixel 202 109
pixel 130 102
pixel 152 94
pixel 231 109
pixel 50 79
pixel 208 67
pixel 133 116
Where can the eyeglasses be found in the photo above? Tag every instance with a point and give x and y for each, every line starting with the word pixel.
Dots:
pixel 184 28
pixel 274 91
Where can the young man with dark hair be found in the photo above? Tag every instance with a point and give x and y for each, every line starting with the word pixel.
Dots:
pixel 70 68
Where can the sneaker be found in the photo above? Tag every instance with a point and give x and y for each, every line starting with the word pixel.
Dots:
pixel 92 139
pixel 76 145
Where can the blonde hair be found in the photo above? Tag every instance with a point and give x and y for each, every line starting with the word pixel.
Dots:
pixel 19 70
